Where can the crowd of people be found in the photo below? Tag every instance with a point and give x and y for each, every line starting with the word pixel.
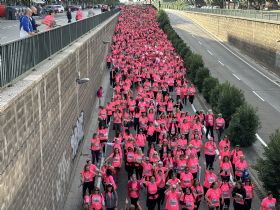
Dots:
pixel 162 147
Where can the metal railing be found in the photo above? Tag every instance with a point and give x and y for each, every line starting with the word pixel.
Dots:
pixel 17 57
pixel 253 14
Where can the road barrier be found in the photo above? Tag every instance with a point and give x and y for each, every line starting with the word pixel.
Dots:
pixel 20 56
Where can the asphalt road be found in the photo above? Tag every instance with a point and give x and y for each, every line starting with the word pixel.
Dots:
pixel 9 29
pixel 261 88
pixel 74 198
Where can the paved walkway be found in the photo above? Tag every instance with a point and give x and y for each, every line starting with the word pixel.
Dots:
pixel 74 198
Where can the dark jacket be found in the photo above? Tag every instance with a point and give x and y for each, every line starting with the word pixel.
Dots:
pixel 240 191
pixel 111 201
pixel 33 22
pixel 69 15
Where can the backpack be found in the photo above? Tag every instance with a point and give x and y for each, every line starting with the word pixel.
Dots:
pixel 245 175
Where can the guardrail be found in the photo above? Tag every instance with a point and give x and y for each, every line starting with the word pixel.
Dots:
pixel 17 57
pixel 254 14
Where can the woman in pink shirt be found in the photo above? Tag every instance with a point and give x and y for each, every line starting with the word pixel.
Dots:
pixel 138 158
pixel 198 192
pixel 209 178
pixel 210 152
pixel 214 196
pixel 172 198
pixel 79 15
pixel 140 140
pixel 193 164
pixel 188 200
pixel 49 20
pixel 197 144
pixel 152 193
pixel 240 166
pixel 116 161
pixel 133 189
pixel 87 179
pixel 249 188
pixel 97 199
pixel 225 190
pixel 224 143
pixel 95 148
pixel 225 169
pixel 268 203
pixel 186 179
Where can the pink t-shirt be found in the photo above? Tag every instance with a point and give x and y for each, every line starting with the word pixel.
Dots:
pixel 172 201
pixel 214 196
pixel 269 204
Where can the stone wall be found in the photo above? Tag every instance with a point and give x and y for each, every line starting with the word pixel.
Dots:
pixel 256 38
pixel 43 117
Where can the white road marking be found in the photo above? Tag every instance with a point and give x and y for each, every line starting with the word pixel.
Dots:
pixel 260 139
pixel 193 36
pixel 221 63
pixel 200 42
pixel 236 76
pixel 258 95
pixel 193 108
pixel 220 42
pixel 209 52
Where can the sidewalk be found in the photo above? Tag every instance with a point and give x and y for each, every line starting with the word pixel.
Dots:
pixel 74 197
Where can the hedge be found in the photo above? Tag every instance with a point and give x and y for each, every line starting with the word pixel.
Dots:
pixel 208 85
pixel 201 74
pixel 223 98
pixel 243 126
pixel 267 167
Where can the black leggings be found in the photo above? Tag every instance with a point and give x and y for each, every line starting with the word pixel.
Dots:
pixel 226 203
pixel 87 186
pixel 95 156
pixel 129 168
pixel 138 171
pixel 209 128
pixel 209 160
pixel 134 201
pixel 191 99
pixel 151 203
pixel 161 197
pixel 248 204
pixel 238 206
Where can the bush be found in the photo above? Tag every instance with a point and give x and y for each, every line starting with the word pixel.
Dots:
pixel 201 74
pixel 268 167
pixel 230 99
pixel 195 62
pixel 181 44
pixel 214 97
pixel 208 85
pixel 244 125
pixel 174 38
pixel 187 56
pixel 162 18
pixel 184 50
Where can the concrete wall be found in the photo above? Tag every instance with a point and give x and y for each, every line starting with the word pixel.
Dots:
pixel 43 117
pixel 258 39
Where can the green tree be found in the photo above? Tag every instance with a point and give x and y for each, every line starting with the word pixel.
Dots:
pixel 208 85
pixel 268 167
pixel 194 63
pixel 230 99
pixel 201 74
pixel 244 125
pixel 214 97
